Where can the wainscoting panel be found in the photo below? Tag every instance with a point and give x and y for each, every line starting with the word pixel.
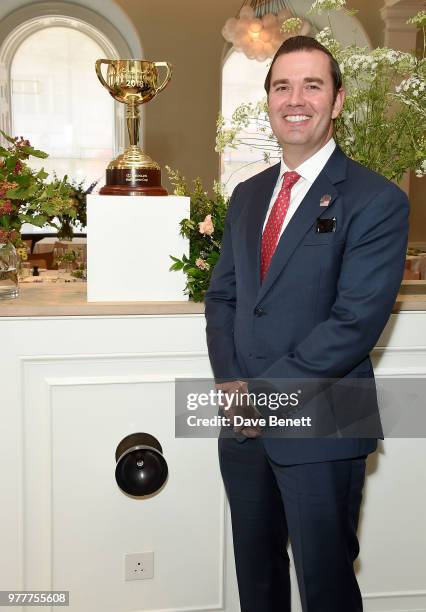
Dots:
pixel 73 387
pixel 78 524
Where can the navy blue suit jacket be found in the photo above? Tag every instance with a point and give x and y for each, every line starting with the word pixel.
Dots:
pixel 325 299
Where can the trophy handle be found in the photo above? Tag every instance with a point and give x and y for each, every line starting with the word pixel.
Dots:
pixel 99 71
pixel 168 76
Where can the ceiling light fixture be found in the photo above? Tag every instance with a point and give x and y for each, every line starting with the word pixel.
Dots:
pixel 256 30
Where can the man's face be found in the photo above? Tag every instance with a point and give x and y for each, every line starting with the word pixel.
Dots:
pixel 300 101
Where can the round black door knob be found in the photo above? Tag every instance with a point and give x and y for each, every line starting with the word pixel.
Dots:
pixel 141 468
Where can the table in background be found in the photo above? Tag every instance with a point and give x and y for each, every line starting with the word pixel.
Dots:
pixel 46 245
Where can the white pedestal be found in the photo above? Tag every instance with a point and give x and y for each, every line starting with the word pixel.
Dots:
pixel 129 243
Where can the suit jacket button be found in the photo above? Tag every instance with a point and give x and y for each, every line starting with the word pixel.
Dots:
pixel 258 311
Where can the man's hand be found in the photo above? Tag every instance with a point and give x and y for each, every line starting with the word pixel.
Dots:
pixel 240 407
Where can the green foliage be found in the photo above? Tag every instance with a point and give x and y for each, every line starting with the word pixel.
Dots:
pixel 80 272
pixel 77 218
pixel 68 256
pixel 384 119
pixel 204 229
pixel 383 123
pixel 25 197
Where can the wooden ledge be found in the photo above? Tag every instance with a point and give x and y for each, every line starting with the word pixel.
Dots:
pixel 70 300
pixel 37 300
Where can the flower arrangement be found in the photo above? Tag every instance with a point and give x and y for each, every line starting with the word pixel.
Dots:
pixel 69 256
pixel 70 262
pixel 327 5
pixel 384 119
pixel 382 126
pixel 78 220
pixel 26 196
pixel 204 229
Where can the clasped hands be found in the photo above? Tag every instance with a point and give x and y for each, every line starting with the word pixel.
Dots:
pixel 240 406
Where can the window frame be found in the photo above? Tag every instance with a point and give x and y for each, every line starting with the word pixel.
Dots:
pixel 23 22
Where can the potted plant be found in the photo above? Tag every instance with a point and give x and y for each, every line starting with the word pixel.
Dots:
pixel 26 197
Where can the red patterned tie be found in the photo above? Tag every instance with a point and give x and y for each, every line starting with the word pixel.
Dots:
pixel 275 221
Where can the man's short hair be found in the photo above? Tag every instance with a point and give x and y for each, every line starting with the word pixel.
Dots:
pixel 306 43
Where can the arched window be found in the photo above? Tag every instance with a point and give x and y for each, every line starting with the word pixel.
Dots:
pixel 58 104
pixel 49 92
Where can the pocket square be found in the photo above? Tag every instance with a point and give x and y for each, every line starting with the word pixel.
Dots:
pixel 325 225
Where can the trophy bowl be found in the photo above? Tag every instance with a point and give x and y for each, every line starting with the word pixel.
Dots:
pixel 133 82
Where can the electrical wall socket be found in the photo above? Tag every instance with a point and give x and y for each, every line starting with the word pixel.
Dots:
pixel 139 566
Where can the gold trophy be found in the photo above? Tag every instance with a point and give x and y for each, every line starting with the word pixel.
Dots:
pixel 133 82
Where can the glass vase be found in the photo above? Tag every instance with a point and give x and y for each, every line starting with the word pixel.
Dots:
pixel 8 271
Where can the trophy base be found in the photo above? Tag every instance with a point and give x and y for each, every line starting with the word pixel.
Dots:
pixel 133 182
pixel 125 190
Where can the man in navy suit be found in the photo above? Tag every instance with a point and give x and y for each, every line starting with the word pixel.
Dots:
pixel 311 262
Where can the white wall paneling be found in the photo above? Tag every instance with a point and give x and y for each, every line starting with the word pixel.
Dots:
pixel 73 387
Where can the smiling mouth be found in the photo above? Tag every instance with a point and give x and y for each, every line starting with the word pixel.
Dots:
pixel 296 118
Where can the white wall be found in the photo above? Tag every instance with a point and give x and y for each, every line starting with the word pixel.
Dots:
pixel 73 387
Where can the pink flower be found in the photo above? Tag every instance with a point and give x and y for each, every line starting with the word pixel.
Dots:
pixel 18 167
pixel 11 235
pixel 206 226
pixel 21 142
pixel 5 186
pixel 200 263
pixel 6 207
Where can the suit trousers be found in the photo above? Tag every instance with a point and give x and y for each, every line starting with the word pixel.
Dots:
pixel 314 505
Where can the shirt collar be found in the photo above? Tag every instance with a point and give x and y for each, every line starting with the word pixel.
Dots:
pixel 312 166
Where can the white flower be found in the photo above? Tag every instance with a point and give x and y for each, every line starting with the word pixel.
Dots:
pixel 324 34
pixel 421 171
pixel 293 24
pixel 327 5
pixel 411 87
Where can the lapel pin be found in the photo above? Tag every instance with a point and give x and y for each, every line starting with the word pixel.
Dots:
pixel 325 199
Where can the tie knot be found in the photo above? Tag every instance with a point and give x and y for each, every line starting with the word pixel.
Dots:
pixel 290 178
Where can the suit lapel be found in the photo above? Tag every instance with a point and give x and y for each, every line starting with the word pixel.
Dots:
pixel 305 216
pixel 257 213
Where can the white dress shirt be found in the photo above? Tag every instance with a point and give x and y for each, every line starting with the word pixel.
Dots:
pixel 308 171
